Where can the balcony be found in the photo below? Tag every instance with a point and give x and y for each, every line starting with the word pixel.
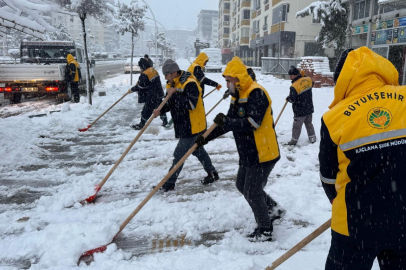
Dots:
pixel 245 4
pixel 264 27
pixel 253 36
pixel 226 11
pixel 275 28
pixel 226 35
pixel 245 41
pixel 275 2
pixel 245 22
pixel 254 15
pixel 234 29
pixel 226 22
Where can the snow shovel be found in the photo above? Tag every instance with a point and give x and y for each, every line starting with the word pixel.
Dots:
pixel 157 187
pixel 226 94
pixel 100 185
pixel 300 245
pixel 210 92
pixel 85 129
pixel 281 112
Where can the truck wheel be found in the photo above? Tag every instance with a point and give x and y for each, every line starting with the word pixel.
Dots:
pixel 16 98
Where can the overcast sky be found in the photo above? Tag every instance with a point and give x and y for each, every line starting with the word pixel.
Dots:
pixel 177 13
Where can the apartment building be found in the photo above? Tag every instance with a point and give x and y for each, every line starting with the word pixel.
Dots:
pixel 102 35
pixel 277 32
pixel 252 29
pixel 224 30
pixel 214 32
pixel 205 24
pixel 381 26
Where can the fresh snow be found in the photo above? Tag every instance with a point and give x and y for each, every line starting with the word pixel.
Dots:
pixel 48 155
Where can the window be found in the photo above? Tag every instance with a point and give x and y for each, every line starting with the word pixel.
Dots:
pixel 227 6
pixel 266 20
pixel 386 8
pixel 279 14
pixel 246 14
pixel 226 18
pixel 226 30
pixel 361 9
pixel 258 5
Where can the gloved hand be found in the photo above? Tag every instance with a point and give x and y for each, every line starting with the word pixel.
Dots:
pixel 226 94
pixel 200 140
pixel 129 91
pixel 220 119
pixel 218 87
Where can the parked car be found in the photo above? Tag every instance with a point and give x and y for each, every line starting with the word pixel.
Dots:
pixel 214 64
pixel 136 67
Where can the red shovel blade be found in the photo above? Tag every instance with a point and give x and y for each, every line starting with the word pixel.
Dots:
pixel 91 198
pixel 84 129
pixel 93 251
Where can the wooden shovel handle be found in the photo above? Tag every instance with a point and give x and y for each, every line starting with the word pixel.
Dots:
pixel 132 143
pixel 160 184
pixel 300 245
pixel 97 119
pixel 210 92
pixel 277 119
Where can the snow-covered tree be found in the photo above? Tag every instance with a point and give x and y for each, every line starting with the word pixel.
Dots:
pixel 102 10
pixel 333 20
pixel 130 19
pixel 60 33
pixel 167 46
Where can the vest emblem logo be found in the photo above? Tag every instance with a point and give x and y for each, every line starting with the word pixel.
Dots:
pixel 379 118
pixel 241 112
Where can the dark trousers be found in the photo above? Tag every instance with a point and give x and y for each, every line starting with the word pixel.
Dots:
pixel 251 182
pixel 181 149
pixel 75 91
pixel 346 256
pixel 297 126
pixel 147 110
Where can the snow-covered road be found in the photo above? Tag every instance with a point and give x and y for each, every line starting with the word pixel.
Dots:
pixel 47 166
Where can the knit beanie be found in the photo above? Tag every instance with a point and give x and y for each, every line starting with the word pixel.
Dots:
pixel 169 66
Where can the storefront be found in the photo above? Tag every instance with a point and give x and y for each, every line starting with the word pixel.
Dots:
pixel 268 46
pixel 388 38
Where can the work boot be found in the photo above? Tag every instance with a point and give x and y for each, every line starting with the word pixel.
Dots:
pixel 291 142
pixel 167 187
pixel 210 178
pixel 276 213
pixel 164 121
pixel 138 126
pixel 261 234
pixel 312 139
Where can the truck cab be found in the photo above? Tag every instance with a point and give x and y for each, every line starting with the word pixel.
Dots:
pixel 41 70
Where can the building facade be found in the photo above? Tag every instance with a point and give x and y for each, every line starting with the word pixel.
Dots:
pixel 224 24
pixel 252 29
pixel 381 26
pixel 101 35
pixel 205 24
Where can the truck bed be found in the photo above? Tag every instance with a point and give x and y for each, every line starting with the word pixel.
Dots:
pixel 31 72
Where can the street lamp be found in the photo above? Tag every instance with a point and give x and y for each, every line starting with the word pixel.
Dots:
pixel 156 32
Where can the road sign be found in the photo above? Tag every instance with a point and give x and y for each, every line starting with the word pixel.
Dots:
pixel 202 45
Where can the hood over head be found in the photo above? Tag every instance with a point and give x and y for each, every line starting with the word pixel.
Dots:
pixel 144 64
pixel 70 58
pixel 201 59
pixel 236 69
pixel 363 70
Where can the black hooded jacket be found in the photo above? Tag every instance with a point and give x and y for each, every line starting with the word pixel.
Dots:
pixel 149 85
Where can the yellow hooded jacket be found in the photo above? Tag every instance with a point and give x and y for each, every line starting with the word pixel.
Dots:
pixel 263 137
pixel 363 150
pixel 194 121
pixel 71 60
pixel 199 61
